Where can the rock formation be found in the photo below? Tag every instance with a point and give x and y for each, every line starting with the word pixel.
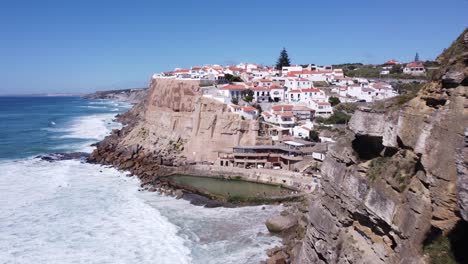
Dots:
pixel 174 125
pixel 132 96
pixel 397 176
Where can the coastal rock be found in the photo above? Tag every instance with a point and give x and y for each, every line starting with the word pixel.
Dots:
pixel 278 258
pixel 395 177
pixel 278 224
pixel 133 96
pixel 64 156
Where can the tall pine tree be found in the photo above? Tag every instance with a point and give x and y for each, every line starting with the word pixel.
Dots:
pixel 416 58
pixel 283 60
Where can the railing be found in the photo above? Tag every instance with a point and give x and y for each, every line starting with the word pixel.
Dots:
pixel 250 160
pixel 295 158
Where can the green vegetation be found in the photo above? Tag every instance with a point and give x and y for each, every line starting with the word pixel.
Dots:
pixel 338 117
pixel 373 71
pixel 348 108
pixel 333 100
pixel 283 60
pixel 231 78
pixel 235 101
pixel 249 96
pixel 376 167
pixel 314 136
pixel 439 251
pixel 407 92
pixel 321 84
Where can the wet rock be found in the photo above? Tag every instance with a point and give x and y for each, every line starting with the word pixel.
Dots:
pixel 278 224
pixel 178 193
pixel 64 156
pixel 278 258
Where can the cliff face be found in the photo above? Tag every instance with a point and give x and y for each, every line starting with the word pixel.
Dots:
pixel 177 125
pixel 396 177
pixel 133 96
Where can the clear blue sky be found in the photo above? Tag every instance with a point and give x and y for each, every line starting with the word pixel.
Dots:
pixel 81 46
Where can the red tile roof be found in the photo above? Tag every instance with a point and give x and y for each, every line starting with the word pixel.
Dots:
pixel 282 107
pixel 286 114
pixel 313 90
pixel 233 87
pixel 415 64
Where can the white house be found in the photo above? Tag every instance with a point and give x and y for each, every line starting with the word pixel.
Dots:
pixel 303 130
pixel 297 83
pixel 233 90
pixel 414 68
pixel 323 109
pixel 276 93
pixel 261 93
pixel 247 112
pixel 300 112
pixel 282 119
pixel 314 94
pixel 293 68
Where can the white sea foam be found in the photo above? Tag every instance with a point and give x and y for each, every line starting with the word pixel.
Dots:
pixel 72 212
pixel 91 127
pixel 219 235
pixel 69 212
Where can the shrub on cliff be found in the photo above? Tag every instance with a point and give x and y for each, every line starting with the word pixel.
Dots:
pixel 231 78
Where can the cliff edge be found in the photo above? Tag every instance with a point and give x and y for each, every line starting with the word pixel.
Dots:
pixel 174 125
pixel 397 180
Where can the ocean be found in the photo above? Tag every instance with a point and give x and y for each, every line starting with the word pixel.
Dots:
pixel 75 212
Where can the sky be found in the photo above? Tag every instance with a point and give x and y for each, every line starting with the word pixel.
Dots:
pixel 83 46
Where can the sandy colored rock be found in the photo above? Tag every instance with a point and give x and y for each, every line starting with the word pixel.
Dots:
pixel 278 224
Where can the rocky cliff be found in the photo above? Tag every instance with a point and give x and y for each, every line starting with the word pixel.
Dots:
pixel 397 178
pixel 174 125
pixel 133 96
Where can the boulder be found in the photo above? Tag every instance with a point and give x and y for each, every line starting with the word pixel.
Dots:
pixel 278 258
pixel 278 224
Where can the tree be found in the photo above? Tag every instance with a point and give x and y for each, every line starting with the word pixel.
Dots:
pixel 249 96
pixel 283 60
pixel 334 100
pixel 416 57
pixel 231 78
pixel 396 69
pixel 314 136
pixel 235 101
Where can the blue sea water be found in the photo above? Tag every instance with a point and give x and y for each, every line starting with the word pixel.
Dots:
pixel 37 125
pixel 75 212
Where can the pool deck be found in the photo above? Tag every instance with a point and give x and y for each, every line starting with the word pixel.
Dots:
pixel 293 180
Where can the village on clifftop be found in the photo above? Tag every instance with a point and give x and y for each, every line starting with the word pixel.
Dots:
pixel 290 102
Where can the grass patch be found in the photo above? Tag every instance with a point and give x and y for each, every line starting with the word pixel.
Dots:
pixel 376 167
pixel 338 117
pixel 439 251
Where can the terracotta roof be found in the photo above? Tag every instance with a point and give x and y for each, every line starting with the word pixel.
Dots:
pixel 415 64
pixel 282 107
pixel 264 80
pixel 233 87
pixel 295 91
pixel 181 71
pixel 266 114
pixel 286 114
pixel 276 87
pixel 259 88
pixel 391 62
pixel 313 90
pixel 244 108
